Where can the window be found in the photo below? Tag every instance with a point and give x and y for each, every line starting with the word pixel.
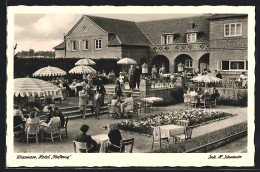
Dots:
pixel 98 44
pixel 73 45
pixel 233 29
pixel 85 45
pixel 166 39
pixel 189 64
pixel 191 37
pixel 234 65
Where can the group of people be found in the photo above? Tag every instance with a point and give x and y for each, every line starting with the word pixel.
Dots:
pixel 200 94
pixel 92 98
pixel 134 75
pixel 53 115
pixel 120 109
pixel 114 136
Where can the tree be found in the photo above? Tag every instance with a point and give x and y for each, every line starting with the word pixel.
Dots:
pixel 31 52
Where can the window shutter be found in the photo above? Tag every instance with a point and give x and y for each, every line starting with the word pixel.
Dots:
pixel 162 39
pixel 225 65
pixel 68 45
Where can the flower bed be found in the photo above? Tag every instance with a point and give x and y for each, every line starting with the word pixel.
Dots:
pixel 194 116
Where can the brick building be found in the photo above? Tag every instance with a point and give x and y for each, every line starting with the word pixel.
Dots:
pixel 211 42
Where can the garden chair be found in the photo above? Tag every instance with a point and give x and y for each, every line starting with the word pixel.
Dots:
pixel 183 137
pixel 133 112
pixel 53 131
pixel 80 147
pixel 193 101
pixel 111 111
pixel 146 105
pixel 206 102
pixel 187 100
pixel 138 104
pixel 19 133
pixel 64 129
pixel 126 146
pixel 157 137
pixel 184 123
pixel 32 131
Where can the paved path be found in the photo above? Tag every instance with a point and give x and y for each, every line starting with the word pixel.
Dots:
pixel 142 143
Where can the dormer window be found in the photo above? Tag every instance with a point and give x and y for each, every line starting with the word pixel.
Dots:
pixel 167 39
pixel 191 37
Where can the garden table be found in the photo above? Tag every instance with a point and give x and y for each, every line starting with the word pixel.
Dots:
pixel 102 140
pixel 171 130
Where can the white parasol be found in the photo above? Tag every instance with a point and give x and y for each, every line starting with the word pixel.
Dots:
pixel 126 61
pixel 49 71
pixel 206 78
pixel 82 70
pixel 85 62
pixel 32 87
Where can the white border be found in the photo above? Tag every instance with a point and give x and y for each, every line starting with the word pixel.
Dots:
pixel 138 159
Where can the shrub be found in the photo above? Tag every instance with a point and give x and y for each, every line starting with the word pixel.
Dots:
pixel 202 140
pixel 177 94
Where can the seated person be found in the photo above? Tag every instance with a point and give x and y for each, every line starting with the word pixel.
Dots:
pixel 214 93
pixel 83 137
pixel 44 125
pixel 205 94
pixel 127 105
pixel 32 119
pixel 199 91
pixel 115 107
pixel 50 114
pixel 59 114
pixel 18 112
pixel 114 136
pixel 193 93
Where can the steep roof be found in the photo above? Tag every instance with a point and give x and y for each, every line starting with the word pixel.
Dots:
pixel 218 16
pixel 179 26
pixel 125 32
pixel 61 46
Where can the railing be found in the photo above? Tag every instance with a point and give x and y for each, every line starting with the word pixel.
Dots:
pixel 225 140
pixel 162 85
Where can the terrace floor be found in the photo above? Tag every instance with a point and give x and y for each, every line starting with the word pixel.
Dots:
pixel 142 143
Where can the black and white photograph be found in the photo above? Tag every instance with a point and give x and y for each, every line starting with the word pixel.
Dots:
pixel 130 86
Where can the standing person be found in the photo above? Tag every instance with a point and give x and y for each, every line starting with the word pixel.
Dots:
pixel 118 90
pixel 97 103
pixel 154 72
pixel 103 92
pixel 83 102
pixel 137 74
pixel 121 80
pixel 90 97
pixel 90 79
pixel 132 81
pixel 130 73
pixel 83 137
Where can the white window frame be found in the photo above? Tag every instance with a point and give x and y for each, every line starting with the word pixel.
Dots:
pixel 188 64
pixel 84 45
pixel 68 45
pixel 190 39
pixel 97 41
pixel 80 45
pixel 167 39
pixel 73 48
pixel 234 69
pixel 229 30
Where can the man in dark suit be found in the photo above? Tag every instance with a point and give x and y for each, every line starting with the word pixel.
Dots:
pixel 137 74
pixel 83 137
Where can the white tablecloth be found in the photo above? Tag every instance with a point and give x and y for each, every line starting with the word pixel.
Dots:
pixel 103 140
pixel 171 130
pixel 153 99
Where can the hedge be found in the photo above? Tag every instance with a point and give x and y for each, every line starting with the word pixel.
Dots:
pixel 202 140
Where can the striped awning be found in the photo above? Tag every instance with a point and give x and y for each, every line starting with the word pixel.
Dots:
pixel 49 71
pixel 32 87
pixel 82 70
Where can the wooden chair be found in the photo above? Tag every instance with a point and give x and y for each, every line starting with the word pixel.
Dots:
pixel 133 112
pixel 206 101
pixel 65 129
pixel 32 131
pixel 80 147
pixel 53 131
pixel 19 133
pixel 146 105
pixel 184 123
pixel 187 100
pixel 183 137
pixel 157 137
pixel 126 146
pixel 193 101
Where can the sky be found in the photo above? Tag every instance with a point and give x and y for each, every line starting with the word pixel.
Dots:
pixel 42 32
